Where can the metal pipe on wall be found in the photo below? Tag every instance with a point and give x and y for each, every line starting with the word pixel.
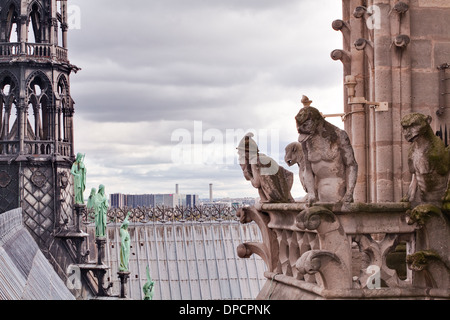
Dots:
pixel 358 131
pixel 401 88
pixel 383 92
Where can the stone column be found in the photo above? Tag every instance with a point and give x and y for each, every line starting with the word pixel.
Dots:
pixel 123 276
pixel 100 242
pixel 21 120
pixel 79 210
pixel 22 33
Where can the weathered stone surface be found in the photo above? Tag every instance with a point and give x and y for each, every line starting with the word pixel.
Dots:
pixel 420 54
pixel 273 182
pixel 330 167
pixel 428 159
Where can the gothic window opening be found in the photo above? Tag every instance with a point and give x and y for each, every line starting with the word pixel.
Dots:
pixel 64 114
pixel 30 123
pixel 11 25
pixel 13 128
pixel 34 25
pixel 59 29
pixel 62 121
pixel 37 115
pixel 7 87
pixel 44 118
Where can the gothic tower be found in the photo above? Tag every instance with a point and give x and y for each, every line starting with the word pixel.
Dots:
pixel 396 60
pixel 36 117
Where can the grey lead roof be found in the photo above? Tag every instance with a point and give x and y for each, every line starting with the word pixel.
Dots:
pixel 25 273
pixel 189 260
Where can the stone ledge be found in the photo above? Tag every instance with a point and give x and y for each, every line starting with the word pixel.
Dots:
pixel 312 290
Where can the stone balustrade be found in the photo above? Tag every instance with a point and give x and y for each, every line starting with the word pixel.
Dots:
pixel 9 49
pixel 35 147
pixel 9 147
pixel 352 251
pixel 35 50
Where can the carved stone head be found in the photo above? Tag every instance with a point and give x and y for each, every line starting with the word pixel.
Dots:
pixel 247 148
pixel 308 119
pixel 415 125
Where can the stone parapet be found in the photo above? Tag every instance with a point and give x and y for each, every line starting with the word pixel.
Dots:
pixel 352 251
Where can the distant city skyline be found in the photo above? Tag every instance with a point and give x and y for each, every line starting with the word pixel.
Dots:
pixel 159 76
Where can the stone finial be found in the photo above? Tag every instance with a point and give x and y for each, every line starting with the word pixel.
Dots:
pixel 401 41
pixel 359 12
pixel 338 24
pixel 401 7
pixel 306 102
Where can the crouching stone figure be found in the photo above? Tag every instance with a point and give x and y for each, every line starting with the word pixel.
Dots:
pixel 428 160
pixel 330 169
pixel 273 182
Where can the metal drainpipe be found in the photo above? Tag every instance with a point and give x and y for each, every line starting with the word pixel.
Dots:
pixel 405 84
pixel 358 136
pixel 383 92
pixel 401 104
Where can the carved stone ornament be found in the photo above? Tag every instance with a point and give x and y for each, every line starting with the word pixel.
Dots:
pixel 5 179
pixel 63 180
pixel 38 179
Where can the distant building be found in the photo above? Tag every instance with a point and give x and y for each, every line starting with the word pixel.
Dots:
pixel 192 200
pixel 171 200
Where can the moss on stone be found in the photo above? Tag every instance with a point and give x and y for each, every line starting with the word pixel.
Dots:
pixel 419 260
pixel 423 212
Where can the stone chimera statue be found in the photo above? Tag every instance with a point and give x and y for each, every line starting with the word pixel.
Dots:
pixel 273 182
pixel 428 160
pixel 331 170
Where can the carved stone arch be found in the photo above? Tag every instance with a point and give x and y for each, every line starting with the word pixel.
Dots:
pixel 48 88
pixel 39 4
pixel 7 77
pixel 33 99
pixel 10 14
pixel 5 9
pixel 64 84
pixel 45 114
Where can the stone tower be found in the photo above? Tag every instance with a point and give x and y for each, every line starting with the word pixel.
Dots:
pixel 36 117
pixel 396 57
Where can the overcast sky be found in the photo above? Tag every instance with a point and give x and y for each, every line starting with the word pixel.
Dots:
pixel 158 74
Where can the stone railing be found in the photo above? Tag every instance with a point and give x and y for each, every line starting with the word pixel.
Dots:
pixel 9 147
pixel 163 214
pixel 65 148
pixel 356 251
pixel 37 147
pixel 9 49
pixel 61 54
pixel 35 50
pixel 39 50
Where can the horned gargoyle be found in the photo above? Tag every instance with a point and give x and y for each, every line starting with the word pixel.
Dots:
pixel 428 160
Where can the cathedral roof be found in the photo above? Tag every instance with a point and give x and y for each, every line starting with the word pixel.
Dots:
pixel 25 273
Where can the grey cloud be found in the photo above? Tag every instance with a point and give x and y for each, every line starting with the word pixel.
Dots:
pixel 152 67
